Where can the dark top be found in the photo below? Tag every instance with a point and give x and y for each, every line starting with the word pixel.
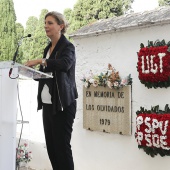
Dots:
pixel 62 86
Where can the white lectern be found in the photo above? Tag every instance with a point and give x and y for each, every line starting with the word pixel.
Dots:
pixel 8 109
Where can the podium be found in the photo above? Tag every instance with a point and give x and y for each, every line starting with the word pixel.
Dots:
pixel 8 109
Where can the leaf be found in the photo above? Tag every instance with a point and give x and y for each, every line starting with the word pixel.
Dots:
pixel 142 109
pixel 151 43
pixel 168 44
pixel 142 45
pixel 153 151
pixel 156 42
pixel 166 108
pixel 168 49
pixel 157 108
pixel 148 43
pixel 163 42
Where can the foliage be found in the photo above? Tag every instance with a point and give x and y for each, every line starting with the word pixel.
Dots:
pixel 40 39
pixel 27 45
pixel 153 151
pixel 19 30
pixel 108 78
pixel 23 155
pixel 7 30
pixel 164 2
pixel 157 43
pixel 20 33
pixel 153 64
pixel 11 33
pixel 86 12
pixel 154 109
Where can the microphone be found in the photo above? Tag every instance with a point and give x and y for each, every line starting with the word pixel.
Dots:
pixel 16 53
pixel 19 43
pixel 29 35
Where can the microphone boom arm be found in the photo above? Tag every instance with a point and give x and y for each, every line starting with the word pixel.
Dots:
pixel 16 53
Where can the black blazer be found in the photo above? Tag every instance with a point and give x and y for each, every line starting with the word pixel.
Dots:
pixel 62 65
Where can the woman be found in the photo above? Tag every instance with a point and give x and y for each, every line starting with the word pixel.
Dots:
pixel 57 96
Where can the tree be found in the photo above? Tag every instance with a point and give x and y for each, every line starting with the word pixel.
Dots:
pixel 27 47
pixel 164 2
pixel 19 33
pixel 40 39
pixel 8 35
pixel 85 12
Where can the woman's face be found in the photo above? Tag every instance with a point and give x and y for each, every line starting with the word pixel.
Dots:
pixel 52 28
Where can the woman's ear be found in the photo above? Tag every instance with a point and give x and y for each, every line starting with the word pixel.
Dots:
pixel 61 26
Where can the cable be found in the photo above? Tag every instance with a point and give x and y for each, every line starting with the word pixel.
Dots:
pixel 13 77
pixel 21 121
pixel 10 72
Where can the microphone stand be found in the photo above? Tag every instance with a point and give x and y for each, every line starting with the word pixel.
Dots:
pixel 14 57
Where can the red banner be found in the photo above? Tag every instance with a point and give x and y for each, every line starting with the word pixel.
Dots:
pixel 154 64
pixel 153 130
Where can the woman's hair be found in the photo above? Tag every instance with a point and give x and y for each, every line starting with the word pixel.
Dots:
pixel 59 19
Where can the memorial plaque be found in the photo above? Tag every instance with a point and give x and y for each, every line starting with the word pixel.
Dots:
pixel 107 110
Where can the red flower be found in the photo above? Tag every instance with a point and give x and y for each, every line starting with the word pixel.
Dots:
pixel 154 124
pixel 152 66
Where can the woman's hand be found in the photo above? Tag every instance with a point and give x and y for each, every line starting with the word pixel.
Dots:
pixel 31 63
